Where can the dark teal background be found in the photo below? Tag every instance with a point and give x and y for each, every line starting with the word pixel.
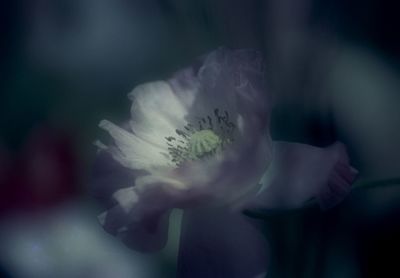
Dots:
pixel 333 70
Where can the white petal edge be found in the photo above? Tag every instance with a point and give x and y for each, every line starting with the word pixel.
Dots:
pixel 126 197
pixel 156 112
pixel 134 152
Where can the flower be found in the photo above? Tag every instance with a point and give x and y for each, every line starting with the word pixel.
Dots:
pixel 184 137
pixel 200 141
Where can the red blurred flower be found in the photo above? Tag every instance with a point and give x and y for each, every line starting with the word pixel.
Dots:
pixel 42 173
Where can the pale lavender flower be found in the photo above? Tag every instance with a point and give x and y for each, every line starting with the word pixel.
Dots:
pixel 200 141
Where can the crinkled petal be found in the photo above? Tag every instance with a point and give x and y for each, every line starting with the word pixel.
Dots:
pixel 227 80
pixel 157 112
pixel 134 152
pixel 252 94
pixel 186 85
pixel 228 73
pixel 216 242
pixel 236 77
pixel 141 212
pixel 301 172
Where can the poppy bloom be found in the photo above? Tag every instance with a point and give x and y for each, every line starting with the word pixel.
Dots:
pixel 200 142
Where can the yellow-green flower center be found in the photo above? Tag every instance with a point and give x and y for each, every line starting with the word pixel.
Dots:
pixel 203 143
pixel 210 135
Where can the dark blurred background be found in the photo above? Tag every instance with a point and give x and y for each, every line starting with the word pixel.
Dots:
pixel 334 74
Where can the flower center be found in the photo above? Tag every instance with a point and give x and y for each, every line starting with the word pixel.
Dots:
pixel 196 141
pixel 203 143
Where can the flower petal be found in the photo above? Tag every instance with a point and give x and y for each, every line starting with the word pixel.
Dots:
pixel 156 112
pixel 228 73
pixel 227 80
pixel 300 172
pixel 147 235
pixel 112 184
pixel 108 176
pixel 185 85
pixel 226 178
pixel 132 151
pixel 220 243
pixel 140 217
